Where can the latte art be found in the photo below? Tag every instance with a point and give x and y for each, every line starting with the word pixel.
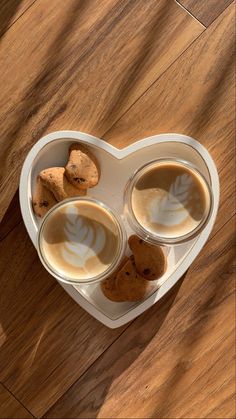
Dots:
pixel 80 240
pixel 169 199
pixel 83 241
pixel 172 207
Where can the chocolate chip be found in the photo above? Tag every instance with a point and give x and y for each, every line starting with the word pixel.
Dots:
pixel 43 204
pixel 146 271
pixel 127 273
pixel 79 179
pixel 140 241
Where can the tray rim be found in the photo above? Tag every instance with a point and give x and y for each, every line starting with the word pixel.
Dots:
pixel 120 154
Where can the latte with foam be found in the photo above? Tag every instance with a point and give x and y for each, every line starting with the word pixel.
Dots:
pixel 169 199
pixel 80 240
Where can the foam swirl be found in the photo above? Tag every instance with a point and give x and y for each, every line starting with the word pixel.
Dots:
pixel 84 239
pixel 170 208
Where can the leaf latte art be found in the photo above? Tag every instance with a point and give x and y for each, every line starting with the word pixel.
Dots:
pixel 171 207
pixel 84 241
pixel 80 240
pixel 170 199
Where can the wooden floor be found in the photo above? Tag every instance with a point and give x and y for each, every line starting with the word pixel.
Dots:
pixel 121 70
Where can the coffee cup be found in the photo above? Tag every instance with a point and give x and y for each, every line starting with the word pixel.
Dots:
pixel 168 201
pixel 81 240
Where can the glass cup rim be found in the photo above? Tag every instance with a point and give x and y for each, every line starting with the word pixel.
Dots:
pixel 120 252
pixel 137 226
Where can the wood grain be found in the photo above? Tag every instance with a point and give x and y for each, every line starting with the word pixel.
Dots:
pixel 175 361
pixel 194 97
pixel 81 68
pixel 206 11
pixel 10 11
pixel 10 407
pixel 46 340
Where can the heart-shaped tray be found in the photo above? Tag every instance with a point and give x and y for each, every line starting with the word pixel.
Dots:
pixel 116 168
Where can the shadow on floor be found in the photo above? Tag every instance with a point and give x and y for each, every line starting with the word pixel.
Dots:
pixel 87 396
pixel 36 315
pixel 218 287
pixel 211 101
pixel 8 9
pixel 38 93
pixel 50 77
pixel 133 74
pixel 85 399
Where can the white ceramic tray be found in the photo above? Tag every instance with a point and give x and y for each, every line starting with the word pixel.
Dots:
pixel 116 167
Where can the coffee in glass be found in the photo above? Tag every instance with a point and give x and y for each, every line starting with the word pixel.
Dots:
pixel 81 240
pixel 167 201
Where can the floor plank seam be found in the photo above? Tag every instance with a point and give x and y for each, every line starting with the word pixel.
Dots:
pixel 10 26
pixel 226 222
pixel 97 359
pixel 196 353
pixel 223 11
pixel 13 228
pixel 217 16
pixel 152 84
pixel 187 11
pixel 158 78
pixel 13 395
pixel 127 110
pixel 87 369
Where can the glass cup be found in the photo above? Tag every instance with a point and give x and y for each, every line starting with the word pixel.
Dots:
pixel 168 201
pixel 81 241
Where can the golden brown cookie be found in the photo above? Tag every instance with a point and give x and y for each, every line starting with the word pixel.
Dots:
pixel 150 260
pixel 109 288
pixel 43 200
pixel 82 169
pixel 131 285
pixel 55 180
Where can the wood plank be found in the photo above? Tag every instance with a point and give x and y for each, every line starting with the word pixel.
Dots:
pixel 47 341
pixel 10 11
pixel 175 361
pixel 39 378
pixel 206 11
pixel 80 67
pixel 194 97
pixel 10 407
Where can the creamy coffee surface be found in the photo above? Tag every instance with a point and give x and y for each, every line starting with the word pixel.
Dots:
pixel 80 240
pixel 170 200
